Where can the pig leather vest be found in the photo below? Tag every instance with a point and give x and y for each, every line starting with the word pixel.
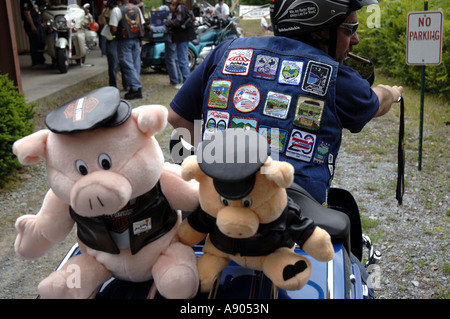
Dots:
pixel 151 217
pixel 130 26
pixel 285 90
pixel 287 230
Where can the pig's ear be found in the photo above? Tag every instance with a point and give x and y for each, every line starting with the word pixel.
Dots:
pixel 30 149
pixel 150 119
pixel 281 173
pixel 190 169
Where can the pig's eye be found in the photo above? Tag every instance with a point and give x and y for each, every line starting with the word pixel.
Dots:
pixel 225 201
pixel 246 201
pixel 82 167
pixel 104 161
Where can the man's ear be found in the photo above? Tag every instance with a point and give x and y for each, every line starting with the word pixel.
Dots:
pixel 190 169
pixel 321 35
pixel 30 149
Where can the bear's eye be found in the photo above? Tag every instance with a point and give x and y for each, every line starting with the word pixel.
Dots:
pixel 104 161
pixel 82 167
pixel 225 201
pixel 246 201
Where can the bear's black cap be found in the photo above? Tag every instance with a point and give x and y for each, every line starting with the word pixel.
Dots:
pixel 231 158
pixel 98 108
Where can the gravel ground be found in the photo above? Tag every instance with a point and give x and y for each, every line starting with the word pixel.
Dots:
pixel 413 238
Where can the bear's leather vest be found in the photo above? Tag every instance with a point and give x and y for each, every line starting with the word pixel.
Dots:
pixel 287 230
pixel 148 219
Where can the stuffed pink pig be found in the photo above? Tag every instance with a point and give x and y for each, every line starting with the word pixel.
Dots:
pixel 107 174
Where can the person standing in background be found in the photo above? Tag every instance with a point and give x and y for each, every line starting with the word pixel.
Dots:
pixel 170 53
pixel 32 23
pixel 182 27
pixel 127 24
pixel 111 43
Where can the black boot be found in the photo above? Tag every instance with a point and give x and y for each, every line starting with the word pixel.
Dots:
pixel 134 94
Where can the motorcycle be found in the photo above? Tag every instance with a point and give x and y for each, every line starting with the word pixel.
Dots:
pixel 217 31
pixel 210 32
pixel 344 277
pixel 71 34
pixel 153 52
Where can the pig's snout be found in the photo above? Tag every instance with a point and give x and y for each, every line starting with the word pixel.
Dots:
pixel 99 194
pixel 237 222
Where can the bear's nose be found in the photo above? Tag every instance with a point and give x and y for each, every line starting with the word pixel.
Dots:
pixel 237 222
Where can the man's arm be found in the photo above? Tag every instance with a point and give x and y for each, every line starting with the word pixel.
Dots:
pixel 114 19
pixel 387 95
pixel 180 123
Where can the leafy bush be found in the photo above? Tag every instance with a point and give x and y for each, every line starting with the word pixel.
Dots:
pixel 386 45
pixel 15 114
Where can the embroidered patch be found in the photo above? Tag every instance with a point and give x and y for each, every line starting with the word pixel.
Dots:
pixel 238 62
pixel 317 78
pixel 142 226
pixel 291 72
pixel 119 221
pixel 219 94
pixel 322 152
pixel 301 145
pixel 277 105
pixel 265 67
pixel 308 113
pixel 244 123
pixel 276 137
pixel 215 120
pixel 246 98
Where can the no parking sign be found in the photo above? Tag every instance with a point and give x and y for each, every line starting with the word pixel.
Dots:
pixel 424 38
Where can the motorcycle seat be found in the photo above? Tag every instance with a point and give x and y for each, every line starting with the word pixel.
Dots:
pixel 335 222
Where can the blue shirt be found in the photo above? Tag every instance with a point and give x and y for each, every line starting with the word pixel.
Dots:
pixel 274 82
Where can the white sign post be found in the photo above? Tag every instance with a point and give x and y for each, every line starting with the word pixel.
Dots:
pixel 424 38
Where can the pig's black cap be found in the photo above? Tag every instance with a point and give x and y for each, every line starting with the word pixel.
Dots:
pixel 232 158
pixel 102 107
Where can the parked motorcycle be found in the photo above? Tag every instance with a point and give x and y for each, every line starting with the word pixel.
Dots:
pixel 153 52
pixel 218 31
pixel 210 32
pixel 71 34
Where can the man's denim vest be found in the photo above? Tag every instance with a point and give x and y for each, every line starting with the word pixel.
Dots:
pixel 285 90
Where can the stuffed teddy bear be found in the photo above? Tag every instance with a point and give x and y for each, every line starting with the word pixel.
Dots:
pixel 107 174
pixel 246 212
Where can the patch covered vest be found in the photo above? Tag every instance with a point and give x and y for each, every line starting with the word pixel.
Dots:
pixel 130 26
pixel 285 90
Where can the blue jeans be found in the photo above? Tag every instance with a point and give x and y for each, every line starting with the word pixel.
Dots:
pixel 130 62
pixel 112 55
pixel 172 63
pixel 183 60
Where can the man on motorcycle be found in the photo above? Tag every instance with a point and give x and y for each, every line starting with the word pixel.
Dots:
pixel 221 10
pixel 298 92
